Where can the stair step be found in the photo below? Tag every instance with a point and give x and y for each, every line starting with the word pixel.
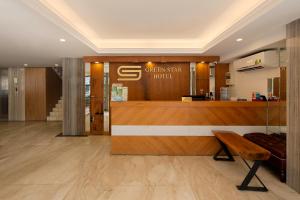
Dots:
pixel 55 109
pixel 54 119
pixel 56 114
pixel 58 105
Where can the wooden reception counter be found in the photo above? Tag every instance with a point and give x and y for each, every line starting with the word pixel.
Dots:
pixel 184 128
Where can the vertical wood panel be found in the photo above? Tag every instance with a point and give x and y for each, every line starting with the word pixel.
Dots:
pixel 283 83
pixel 35 94
pixel 97 98
pixel 16 94
pixel 136 89
pixel 202 78
pixel 170 88
pixel 293 137
pixel 73 97
pixel 220 71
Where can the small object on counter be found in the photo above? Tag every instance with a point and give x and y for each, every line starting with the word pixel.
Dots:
pixel 125 93
pixel 118 92
pixel 253 96
pixel 233 98
pixel 263 98
pixel 196 97
pixel 224 93
pixel 186 99
pixel 211 96
pixel 273 98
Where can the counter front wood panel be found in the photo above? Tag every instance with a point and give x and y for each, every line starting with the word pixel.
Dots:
pixel 197 113
pixel 175 145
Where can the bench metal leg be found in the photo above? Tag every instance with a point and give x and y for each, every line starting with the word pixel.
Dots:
pixel 250 175
pixel 227 152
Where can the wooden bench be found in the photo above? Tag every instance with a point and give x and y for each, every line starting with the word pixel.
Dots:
pixel 247 150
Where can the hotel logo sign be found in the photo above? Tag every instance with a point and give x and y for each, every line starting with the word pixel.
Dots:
pixel 134 73
pixel 129 73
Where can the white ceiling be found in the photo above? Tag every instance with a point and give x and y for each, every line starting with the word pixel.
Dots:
pixel 30 29
pixel 28 38
pixel 155 19
pixel 144 26
pixel 267 29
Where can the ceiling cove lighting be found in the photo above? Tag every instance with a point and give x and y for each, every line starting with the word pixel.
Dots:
pixel 62 40
pixel 239 39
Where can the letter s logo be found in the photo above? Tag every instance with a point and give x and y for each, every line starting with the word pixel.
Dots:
pixel 129 73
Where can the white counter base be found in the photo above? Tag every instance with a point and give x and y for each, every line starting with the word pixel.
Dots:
pixel 129 130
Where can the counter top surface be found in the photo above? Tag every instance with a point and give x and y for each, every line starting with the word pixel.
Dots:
pixel 195 103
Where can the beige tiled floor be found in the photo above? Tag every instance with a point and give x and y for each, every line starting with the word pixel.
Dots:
pixel 36 165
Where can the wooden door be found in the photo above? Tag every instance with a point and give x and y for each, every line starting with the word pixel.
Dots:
pixel 35 94
pixel 96 107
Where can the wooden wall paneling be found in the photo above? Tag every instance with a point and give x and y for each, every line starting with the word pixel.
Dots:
pixel 202 78
pixel 220 71
pixel 150 87
pixel 73 97
pixel 276 86
pixel 136 89
pixel 293 136
pixel 53 89
pixel 35 94
pixel 96 106
pixel 16 94
pixel 172 88
pixel 143 59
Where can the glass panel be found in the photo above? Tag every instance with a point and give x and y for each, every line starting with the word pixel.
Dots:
pixel 3 94
pixel 87 96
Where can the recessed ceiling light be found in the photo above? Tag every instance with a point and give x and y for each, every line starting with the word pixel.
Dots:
pixel 239 39
pixel 25 65
pixel 56 65
pixel 202 62
pixel 96 62
pixel 62 40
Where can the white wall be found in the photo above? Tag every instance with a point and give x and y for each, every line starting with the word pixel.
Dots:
pixel 252 81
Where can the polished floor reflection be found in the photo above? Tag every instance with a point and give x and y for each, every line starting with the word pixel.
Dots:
pixel 34 164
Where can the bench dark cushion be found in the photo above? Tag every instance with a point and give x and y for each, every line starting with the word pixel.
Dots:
pixel 275 143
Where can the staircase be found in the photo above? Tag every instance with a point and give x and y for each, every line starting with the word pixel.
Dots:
pixel 57 112
pixel 58 71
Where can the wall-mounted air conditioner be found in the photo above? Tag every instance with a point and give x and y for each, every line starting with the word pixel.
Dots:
pixel 266 59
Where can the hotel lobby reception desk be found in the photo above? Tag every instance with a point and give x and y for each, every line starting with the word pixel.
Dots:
pixel 184 128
